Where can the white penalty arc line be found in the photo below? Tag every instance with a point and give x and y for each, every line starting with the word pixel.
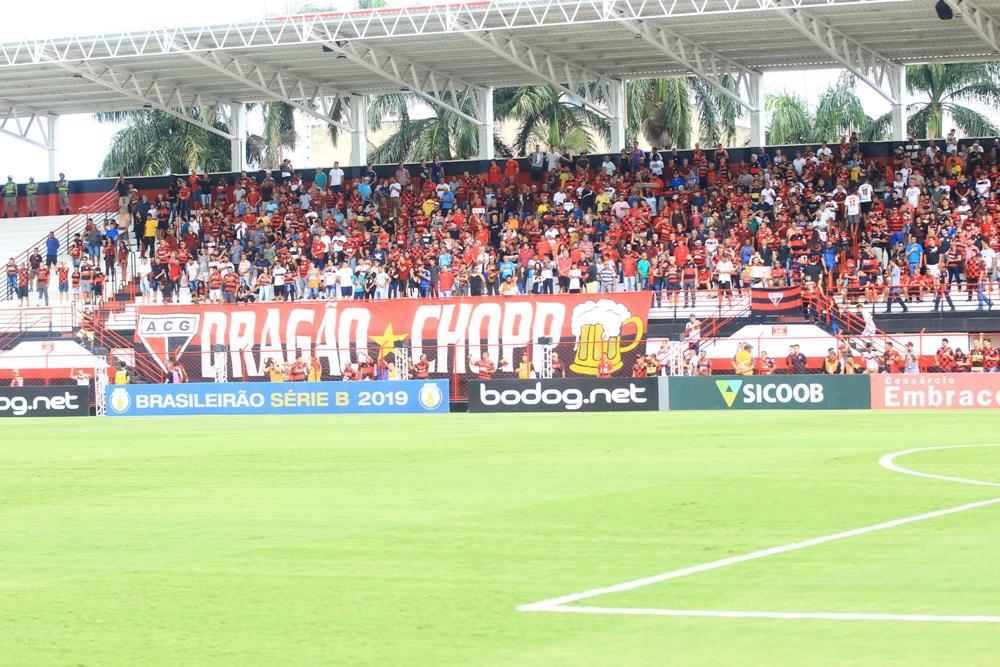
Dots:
pixel 887 461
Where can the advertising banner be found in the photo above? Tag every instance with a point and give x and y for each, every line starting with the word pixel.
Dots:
pixel 936 391
pixel 277 398
pixel 564 395
pixel 449 331
pixel 776 300
pixel 68 401
pixel 772 392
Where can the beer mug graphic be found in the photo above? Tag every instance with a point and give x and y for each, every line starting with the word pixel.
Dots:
pixel 598 328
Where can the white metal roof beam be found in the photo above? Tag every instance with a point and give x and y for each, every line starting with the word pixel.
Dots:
pixel 707 65
pixel 307 96
pixel 586 86
pixel 391 23
pixel 151 93
pixel 11 114
pixel 437 88
pixel 986 27
pixel 867 64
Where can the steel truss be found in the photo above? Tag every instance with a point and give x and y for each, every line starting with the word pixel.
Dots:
pixel 309 97
pixel 867 64
pixel 987 28
pixel 437 88
pixel 707 65
pixel 325 27
pixel 589 88
pixel 178 101
pixel 28 125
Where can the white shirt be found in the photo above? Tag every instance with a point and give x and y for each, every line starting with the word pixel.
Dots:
pixel 798 164
pixel 865 191
pixel 336 176
pixel 279 275
pixel 345 276
pixel 608 167
pixel 395 190
pixel 853 204
pixel 913 196
pixel 574 278
pixel 656 167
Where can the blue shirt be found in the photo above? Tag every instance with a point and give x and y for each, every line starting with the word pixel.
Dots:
pixel 506 269
pixel 320 179
pixel 52 246
pixel 913 253
pixel 447 199
pixel 365 190
pixel 444 259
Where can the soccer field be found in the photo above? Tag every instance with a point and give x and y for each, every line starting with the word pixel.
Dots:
pixel 414 540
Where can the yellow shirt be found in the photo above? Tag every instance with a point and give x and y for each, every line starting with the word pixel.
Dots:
pixel 744 363
pixel 275 375
pixel 603 201
pixel 150 229
pixel 428 206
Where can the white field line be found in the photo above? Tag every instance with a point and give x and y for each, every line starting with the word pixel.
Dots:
pixel 887 461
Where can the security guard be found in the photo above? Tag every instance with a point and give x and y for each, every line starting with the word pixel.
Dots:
pixel 62 189
pixel 31 189
pixel 10 197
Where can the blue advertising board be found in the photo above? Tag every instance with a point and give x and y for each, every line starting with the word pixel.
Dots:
pixel 279 398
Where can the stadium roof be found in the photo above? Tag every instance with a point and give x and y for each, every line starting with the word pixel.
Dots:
pixel 448 53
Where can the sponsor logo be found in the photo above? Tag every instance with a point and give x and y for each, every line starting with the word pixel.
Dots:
pixel 430 396
pixel 569 398
pixel 167 336
pixel 936 391
pixel 784 393
pixel 119 401
pixel 19 406
pixel 729 390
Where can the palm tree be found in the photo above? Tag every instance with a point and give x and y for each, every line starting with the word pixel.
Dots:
pixel 266 150
pixel 664 111
pixel 445 133
pixel 545 115
pixel 840 112
pixel 947 89
pixel 791 122
pixel 155 143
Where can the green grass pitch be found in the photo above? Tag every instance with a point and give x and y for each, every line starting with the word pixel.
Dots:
pixel 413 540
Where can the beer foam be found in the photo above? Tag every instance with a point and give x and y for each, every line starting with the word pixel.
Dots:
pixel 611 315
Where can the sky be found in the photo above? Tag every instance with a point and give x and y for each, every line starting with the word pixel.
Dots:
pixel 83 141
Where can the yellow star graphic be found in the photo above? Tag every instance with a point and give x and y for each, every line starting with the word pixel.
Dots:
pixel 387 341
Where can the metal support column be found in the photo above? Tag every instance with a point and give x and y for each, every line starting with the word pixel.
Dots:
pixel 238 142
pixel 359 135
pixel 485 102
pixel 53 122
pixel 757 116
pixel 618 116
pixel 897 86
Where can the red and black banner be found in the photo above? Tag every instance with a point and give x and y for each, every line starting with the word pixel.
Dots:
pixel 449 331
pixel 776 300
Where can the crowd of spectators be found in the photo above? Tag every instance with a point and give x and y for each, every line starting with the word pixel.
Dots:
pixel 919 225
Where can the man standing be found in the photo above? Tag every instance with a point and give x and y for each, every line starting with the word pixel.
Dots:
pixel 31 189
pixel 51 249
pixel 336 178
pixel 62 191
pixel 484 367
pixel 537 162
pixel 795 361
pixel 895 290
pixel 10 197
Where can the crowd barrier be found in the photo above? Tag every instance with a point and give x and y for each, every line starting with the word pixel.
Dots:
pixel 937 391
pixel 62 401
pixel 239 398
pixel 780 392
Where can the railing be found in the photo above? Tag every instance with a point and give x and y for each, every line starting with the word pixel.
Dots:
pixel 106 203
